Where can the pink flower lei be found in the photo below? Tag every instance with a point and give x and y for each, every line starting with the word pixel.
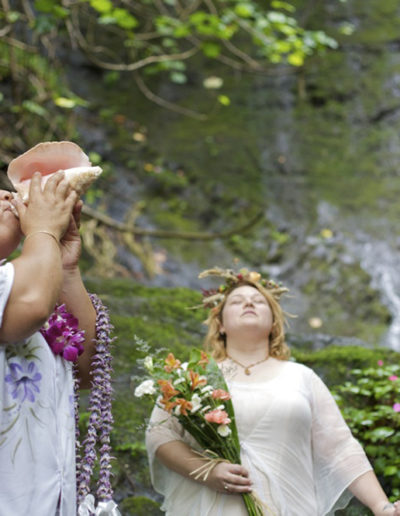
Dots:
pixel 62 334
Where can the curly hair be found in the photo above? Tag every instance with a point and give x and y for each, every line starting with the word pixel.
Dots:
pixel 215 342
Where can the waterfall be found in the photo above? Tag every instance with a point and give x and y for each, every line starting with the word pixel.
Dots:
pixel 382 262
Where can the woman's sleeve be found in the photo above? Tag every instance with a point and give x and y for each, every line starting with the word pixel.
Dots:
pixel 337 456
pixel 164 428
pixel 6 281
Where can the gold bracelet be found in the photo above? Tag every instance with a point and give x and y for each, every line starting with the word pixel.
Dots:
pixel 45 232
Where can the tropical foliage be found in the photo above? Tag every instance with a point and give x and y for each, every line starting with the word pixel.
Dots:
pixel 142 39
pixel 370 403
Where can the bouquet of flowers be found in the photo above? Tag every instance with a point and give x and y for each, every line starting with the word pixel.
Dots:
pixel 196 394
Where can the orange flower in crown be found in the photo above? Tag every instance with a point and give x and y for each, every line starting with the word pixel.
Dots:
pixel 213 297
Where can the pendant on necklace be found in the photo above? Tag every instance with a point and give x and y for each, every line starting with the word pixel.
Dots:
pixel 247 371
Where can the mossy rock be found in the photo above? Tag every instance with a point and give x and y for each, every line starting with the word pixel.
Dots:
pixel 140 506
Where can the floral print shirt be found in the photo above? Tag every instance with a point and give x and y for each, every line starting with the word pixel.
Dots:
pixel 37 425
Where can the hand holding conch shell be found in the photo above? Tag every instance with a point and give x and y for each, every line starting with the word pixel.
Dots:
pixel 49 209
pixel 49 158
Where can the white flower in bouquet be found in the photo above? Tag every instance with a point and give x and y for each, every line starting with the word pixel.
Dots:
pixel 146 387
pixel 182 368
pixel 196 403
pixel 224 430
pixel 148 363
pixel 207 389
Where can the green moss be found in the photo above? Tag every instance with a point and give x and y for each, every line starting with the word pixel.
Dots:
pixel 140 506
pixel 334 363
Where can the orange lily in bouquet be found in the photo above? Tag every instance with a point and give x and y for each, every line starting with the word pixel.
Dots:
pixel 195 392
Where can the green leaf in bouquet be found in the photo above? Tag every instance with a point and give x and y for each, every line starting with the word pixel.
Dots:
pixel 216 378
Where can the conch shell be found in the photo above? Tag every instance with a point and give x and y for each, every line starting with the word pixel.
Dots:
pixel 49 158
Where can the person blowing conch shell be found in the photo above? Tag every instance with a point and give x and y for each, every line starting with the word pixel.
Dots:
pixel 49 158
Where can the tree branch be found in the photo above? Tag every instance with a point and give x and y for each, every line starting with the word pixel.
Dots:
pixel 138 64
pixel 165 103
pixel 159 233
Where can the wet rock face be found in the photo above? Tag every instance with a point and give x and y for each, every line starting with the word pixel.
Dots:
pixel 316 151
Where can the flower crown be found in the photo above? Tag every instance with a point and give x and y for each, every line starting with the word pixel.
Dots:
pixel 213 297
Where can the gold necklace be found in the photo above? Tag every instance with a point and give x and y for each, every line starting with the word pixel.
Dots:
pixel 247 368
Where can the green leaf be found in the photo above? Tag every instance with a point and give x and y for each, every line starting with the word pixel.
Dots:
pixel 13 16
pixel 224 100
pixel 276 4
pixel 106 19
pixel 367 422
pixel 69 102
pixel 60 12
pixel 178 77
pixel 380 433
pixel 347 28
pixel 205 23
pixel 111 77
pixel 45 6
pixel 211 49
pixel 182 31
pixel 176 65
pixel 168 43
pixel 51 7
pixel 244 10
pixel 390 470
pixel 102 6
pixel 124 18
pixel 64 102
pixel 296 58
pixel 95 157
pixel 34 108
pixel 283 46
pixel 276 17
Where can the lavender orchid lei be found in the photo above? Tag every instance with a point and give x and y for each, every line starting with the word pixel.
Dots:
pixel 64 338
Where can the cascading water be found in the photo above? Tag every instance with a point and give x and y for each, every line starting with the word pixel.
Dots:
pixel 382 262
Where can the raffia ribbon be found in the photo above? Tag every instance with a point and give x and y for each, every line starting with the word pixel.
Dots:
pixel 212 459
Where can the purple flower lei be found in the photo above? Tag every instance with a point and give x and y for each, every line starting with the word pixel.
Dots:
pixel 100 420
pixel 62 334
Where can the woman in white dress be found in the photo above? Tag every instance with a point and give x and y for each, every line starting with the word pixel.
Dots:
pixel 298 454
pixel 37 424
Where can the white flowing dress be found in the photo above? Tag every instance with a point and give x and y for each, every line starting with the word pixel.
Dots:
pixel 299 451
pixel 37 425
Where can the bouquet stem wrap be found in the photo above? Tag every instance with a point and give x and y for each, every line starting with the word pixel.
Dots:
pixel 254 506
